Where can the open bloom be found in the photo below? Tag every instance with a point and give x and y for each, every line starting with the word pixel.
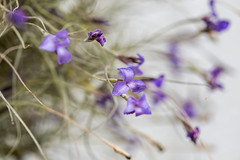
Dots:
pixel 52 43
pixel 97 35
pixel 138 107
pixel 17 17
pixel 193 134
pixel 213 78
pixel 213 23
pixel 122 87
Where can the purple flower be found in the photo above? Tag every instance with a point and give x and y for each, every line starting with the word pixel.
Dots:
pixel 213 23
pixel 98 36
pixel 102 100
pixel 17 17
pixel 135 68
pixel 122 87
pixel 138 107
pixel 213 78
pixel 58 43
pixel 189 109
pixel 173 55
pixel 193 134
pixel 158 96
pixel 159 81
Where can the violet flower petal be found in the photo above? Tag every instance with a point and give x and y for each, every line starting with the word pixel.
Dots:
pixel 120 88
pixel 62 34
pixel 144 106
pixel 135 69
pixel 101 40
pixel 49 43
pixel 216 72
pixel 221 25
pixel 63 55
pixel 130 106
pixel 136 85
pixel 126 73
pixel 64 43
pixel 141 59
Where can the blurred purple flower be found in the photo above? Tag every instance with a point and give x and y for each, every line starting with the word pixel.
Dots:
pixel 189 109
pixel 159 81
pixel 98 36
pixel 193 134
pixel 173 55
pixel 135 68
pixel 158 96
pixel 213 78
pixel 122 87
pixel 213 23
pixel 138 107
pixel 58 43
pixel 102 100
pixel 17 17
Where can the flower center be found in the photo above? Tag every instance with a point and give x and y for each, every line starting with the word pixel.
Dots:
pixel 136 105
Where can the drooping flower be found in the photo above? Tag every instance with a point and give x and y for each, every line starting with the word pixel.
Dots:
pixel 135 68
pixel 189 109
pixel 213 23
pixel 52 43
pixel 97 35
pixel 122 87
pixel 138 107
pixel 17 17
pixel 213 78
pixel 193 134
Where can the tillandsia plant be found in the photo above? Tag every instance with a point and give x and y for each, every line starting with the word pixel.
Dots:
pixel 61 69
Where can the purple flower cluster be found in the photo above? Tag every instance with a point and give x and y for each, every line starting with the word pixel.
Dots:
pixel 138 106
pixel 213 23
pixel 52 43
pixel 98 36
pixel 59 43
